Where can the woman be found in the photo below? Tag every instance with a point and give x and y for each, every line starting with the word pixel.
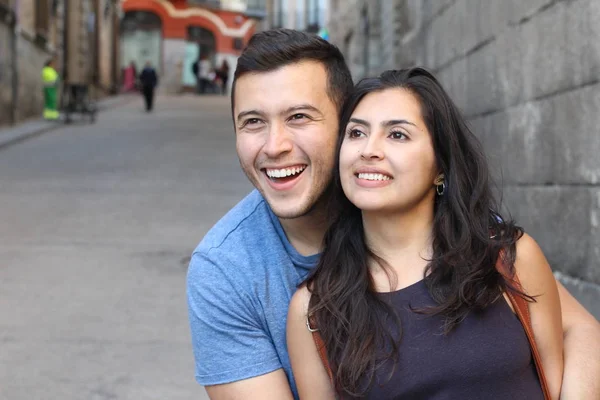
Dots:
pixel 406 296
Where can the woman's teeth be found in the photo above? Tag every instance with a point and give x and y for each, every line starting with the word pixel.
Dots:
pixel 373 177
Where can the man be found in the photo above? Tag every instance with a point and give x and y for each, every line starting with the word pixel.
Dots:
pixel 195 71
pixel 287 93
pixel 50 81
pixel 148 81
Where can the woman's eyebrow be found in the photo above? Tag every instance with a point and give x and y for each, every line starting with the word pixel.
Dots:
pixel 393 122
pixel 385 124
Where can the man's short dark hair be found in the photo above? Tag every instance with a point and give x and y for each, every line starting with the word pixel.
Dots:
pixel 269 50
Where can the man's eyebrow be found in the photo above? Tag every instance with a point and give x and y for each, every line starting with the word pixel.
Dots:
pixel 302 107
pixel 385 124
pixel 247 113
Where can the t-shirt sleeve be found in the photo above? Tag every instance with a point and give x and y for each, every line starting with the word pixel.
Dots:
pixel 229 340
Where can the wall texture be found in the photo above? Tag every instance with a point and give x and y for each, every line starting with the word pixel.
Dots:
pixel 526 74
pixel 6 74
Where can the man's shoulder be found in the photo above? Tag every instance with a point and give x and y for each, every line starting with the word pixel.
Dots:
pixel 247 219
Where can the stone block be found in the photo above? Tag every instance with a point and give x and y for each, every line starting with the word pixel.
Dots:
pixel 455 80
pixel 574 126
pixel 432 8
pixel 554 51
pixel 520 146
pixel 487 130
pixel 5 75
pixel 484 93
pixel 459 30
pixel 551 141
pixel 594 237
pixel 31 60
pixel 560 219
pixel 516 11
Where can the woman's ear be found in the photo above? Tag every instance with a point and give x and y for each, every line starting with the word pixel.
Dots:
pixel 439 180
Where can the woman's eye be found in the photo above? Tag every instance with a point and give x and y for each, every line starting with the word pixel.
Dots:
pixel 355 133
pixel 398 135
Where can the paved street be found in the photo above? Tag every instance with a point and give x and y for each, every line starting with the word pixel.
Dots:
pixel 98 222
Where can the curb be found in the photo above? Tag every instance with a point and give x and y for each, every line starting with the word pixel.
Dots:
pixel 30 129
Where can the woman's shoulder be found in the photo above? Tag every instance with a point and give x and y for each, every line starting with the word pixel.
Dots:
pixel 299 301
pixel 531 266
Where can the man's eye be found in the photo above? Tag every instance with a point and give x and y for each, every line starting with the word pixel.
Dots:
pixel 252 121
pixel 298 117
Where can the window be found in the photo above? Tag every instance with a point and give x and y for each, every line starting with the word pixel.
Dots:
pixel 42 17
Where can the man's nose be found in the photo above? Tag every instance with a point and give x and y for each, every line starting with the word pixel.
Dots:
pixel 279 142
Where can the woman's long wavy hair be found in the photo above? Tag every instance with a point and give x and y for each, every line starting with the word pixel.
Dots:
pixel 468 235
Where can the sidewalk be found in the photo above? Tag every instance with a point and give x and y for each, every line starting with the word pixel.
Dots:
pixel 31 128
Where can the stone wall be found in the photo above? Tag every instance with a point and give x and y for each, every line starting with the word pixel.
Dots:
pixel 6 76
pixel 30 63
pixel 526 74
pixel 106 55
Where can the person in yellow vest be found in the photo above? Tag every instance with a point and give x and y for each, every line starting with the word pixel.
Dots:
pixel 50 80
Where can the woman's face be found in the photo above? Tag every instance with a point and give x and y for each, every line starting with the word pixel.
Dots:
pixel 387 161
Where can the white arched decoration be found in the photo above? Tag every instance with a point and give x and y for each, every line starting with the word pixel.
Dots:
pixel 212 17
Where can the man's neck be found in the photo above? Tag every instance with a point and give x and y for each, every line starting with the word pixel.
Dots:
pixel 306 233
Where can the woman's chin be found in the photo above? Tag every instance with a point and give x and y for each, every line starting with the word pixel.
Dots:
pixel 371 205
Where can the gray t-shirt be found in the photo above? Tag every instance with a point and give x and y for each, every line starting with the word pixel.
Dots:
pixel 239 284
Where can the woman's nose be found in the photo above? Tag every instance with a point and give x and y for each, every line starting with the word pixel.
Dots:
pixel 372 149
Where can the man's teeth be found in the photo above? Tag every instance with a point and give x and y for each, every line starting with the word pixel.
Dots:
pixel 374 177
pixel 282 173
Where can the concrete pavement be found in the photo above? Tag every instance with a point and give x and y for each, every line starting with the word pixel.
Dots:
pixel 31 128
pixel 98 222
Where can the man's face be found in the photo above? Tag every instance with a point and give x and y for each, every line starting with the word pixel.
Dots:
pixel 286 130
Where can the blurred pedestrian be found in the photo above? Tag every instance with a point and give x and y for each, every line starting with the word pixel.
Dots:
pixel 148 81
pixel 50 81
pixel 129 77
pixel 195 71
pixel 204 70
pixel 223 74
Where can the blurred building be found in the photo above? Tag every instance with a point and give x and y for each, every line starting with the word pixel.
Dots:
pixel 81 35
pixel 305 15
pixel 173 34
pixel 525 73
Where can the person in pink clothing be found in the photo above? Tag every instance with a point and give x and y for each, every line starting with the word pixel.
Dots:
pixel 130 78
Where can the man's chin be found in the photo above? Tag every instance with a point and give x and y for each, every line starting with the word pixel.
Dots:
pixel 287 212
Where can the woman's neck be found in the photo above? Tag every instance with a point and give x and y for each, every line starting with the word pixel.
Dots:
pixel 402 239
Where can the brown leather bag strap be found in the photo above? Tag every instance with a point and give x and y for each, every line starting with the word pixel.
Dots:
pixel 521 307
pixel 320 346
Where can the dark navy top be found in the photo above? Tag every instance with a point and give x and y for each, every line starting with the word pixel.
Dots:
pixel 487 356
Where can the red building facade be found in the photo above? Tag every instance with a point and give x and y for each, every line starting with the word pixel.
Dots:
pixel 173 34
